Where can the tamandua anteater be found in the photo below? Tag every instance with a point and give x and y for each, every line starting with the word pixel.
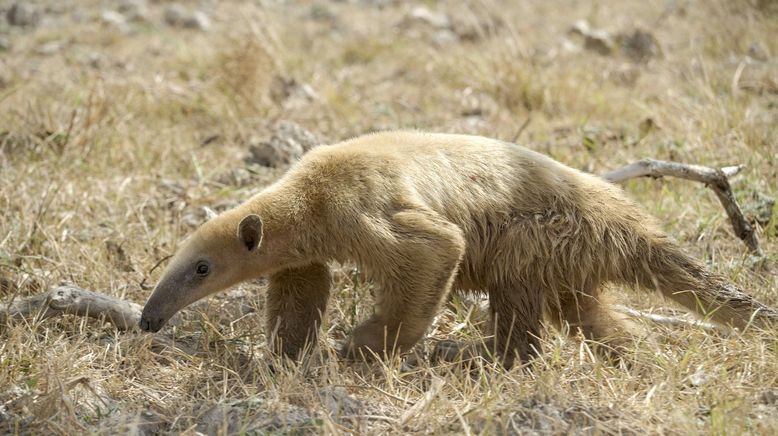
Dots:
pixel 424 213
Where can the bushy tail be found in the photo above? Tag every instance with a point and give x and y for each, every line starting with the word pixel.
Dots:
pixel 659 264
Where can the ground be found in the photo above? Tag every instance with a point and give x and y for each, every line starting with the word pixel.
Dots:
pixel 120 121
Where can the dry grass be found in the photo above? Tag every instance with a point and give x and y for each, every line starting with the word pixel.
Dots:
pixel 103 169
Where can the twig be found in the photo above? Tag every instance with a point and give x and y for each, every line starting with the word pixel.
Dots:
pixel 142 283
pixel 521 129
pixel 423 403
pixel 70 129
pixel 74 301
pixel 669 320
pixel 715 178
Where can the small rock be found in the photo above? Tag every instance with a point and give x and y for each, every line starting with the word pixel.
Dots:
pixel 600 42
pixel 22 14
pixel 144 423
pixel 291 131
pixel 179 16
pixel 134 10
pixel 252 416
pixel 567 46
pixel 639 45
pixel 220 418
pixel 699 378
pixel 444 37
pixel 193 218
pixel 596 40
pixel 290 93
pixel 758 52
pixel 468 30
pixel 339 403
pixel 198 21
pixel 275 153
pixel 286 146
pixel 769 397
pixel 50 47
pixel 235 177
pixel 175 14
pixel 115 20
pixel 434 19
pixel 94 60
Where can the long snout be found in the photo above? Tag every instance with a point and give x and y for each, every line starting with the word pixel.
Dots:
pixel 151 322
pixel 158 310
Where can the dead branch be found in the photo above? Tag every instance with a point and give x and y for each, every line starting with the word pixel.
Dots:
pixel 715 178
pixel 670 320
pixel 71 300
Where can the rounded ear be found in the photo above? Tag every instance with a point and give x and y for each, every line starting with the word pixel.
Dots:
pixel 250 231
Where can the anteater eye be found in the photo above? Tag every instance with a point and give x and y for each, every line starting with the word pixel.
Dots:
pixel 202 268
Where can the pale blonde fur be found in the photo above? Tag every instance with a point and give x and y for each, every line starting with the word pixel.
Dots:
pixel 425 213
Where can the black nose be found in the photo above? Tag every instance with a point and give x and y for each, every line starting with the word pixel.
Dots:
pixel 151 324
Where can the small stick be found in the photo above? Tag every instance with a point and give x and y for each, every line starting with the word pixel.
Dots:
pixel 668 320
pixel 715 178
pixel 521 129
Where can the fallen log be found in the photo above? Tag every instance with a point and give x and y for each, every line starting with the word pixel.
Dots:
pixel 71 300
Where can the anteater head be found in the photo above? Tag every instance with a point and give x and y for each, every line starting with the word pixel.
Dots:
pixel 222 252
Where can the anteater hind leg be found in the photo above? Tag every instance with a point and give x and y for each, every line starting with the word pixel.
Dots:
pixel 593 317
pixel 516 314
pixel 296 301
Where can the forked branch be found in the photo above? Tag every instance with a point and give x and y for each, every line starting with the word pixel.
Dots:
pixel 715 178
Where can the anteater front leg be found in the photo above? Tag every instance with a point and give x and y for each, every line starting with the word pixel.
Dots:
pixel 413 258
pixel 296 301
